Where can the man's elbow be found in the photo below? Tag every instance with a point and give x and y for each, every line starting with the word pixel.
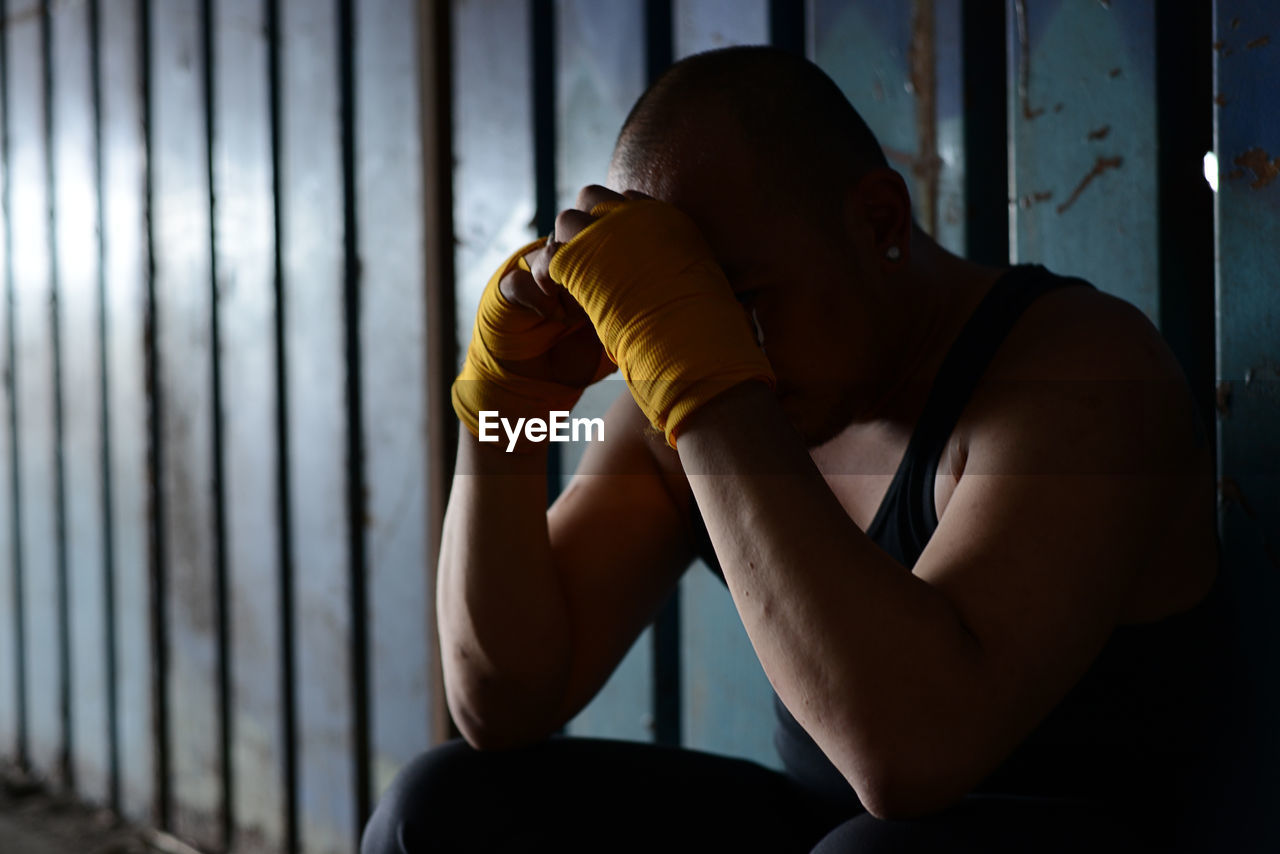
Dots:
pixel 491 716
pixel 893 789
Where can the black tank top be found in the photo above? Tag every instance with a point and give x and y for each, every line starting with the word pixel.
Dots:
pixel 1137 725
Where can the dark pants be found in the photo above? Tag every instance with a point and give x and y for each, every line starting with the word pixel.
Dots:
pixel 574 794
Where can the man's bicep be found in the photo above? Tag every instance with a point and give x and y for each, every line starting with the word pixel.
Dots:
pixel 619 540
pixel 1044 535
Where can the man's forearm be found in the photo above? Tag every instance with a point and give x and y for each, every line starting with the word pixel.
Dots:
pixel 503 626
pixel 865 654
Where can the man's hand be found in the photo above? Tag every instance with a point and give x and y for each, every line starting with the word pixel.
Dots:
pixel 532 348
pixel 658 300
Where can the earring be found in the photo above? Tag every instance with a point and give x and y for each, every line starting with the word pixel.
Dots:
pixel 893 254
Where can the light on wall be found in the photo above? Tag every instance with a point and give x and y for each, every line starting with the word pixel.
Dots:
pixel 1211 170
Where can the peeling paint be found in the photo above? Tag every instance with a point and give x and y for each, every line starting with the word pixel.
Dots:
pixel 1234 174
pixel 1035 198
pixel 1220 100
pixel 1222 398
pixel 1024 62
pixel 1261 41
pixel 1099 133
pixel 1264 167
pixel 1218 45
pixel 1235 23
pixel 1102 164
pixel 1057 108
pixel 1113 73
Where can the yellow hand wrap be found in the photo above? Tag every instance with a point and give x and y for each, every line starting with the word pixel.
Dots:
pixel 504 332
pixel 662 307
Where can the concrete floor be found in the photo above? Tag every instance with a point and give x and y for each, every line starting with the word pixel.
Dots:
pixel 36 822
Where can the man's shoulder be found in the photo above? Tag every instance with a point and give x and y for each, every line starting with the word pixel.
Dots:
pixel 1084 333
pixel 1083 366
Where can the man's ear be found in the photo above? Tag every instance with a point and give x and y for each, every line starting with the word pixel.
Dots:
pixel 878 205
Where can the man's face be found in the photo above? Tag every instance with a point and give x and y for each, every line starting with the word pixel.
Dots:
pixel 800 279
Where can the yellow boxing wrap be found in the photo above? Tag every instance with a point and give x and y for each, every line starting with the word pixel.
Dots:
pixel 662 307
pixel 511 333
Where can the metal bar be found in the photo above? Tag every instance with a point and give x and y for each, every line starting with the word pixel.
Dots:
pixel 15 728
pixel 156 510
pixel 1184 129
pixel 109 637
pixel 185 337
pixel 76 225
pixel 357 490
pixel 316 266
pixel 435 68
pixel 390 211
pixel 787 25
pixel 244 263
pixel 66 766
pixel 986 142
pixel 34 390
pixel 288 712
pixel 1247 303
pixel 222 654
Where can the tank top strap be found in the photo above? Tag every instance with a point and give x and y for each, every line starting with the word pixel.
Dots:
pixel 907 517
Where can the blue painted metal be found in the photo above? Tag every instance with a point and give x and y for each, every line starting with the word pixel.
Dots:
pixel 33 379
pixel 393 317
pixel 493 140
pixel 124 267
pixel 10 625
pixel 708 24
pixel 899 66
pixel 1082 129
pixel 1247 72
pixel 245 254
pixel 184 326
pixel 724 694
pixel 600 71
pixel 75 204
pixel 312 244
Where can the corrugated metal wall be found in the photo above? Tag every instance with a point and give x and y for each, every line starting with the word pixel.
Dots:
pixel 218 222
pixel 230 230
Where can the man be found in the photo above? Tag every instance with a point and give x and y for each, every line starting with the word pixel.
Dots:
pixel 965 513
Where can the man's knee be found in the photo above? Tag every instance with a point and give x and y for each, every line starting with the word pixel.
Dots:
pixel 427 801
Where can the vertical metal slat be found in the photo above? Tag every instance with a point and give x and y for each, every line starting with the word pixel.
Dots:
pixel 76 206
pixel 184 330
pixel 245 253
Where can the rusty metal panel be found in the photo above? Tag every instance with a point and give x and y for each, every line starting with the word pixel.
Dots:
pixel 124 269
pixel 493 144
pixel 34 389
pixel 244 231
pixel 393 318
pixel 76 223
pixel 1247 76
pixel 899 66
pixel 1082 156
pixel 315 340
pixel 724 695
pixel 708 24
pixel 184 352
pixel 600 71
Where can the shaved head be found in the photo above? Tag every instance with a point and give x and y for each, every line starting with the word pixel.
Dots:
pixel 804 142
